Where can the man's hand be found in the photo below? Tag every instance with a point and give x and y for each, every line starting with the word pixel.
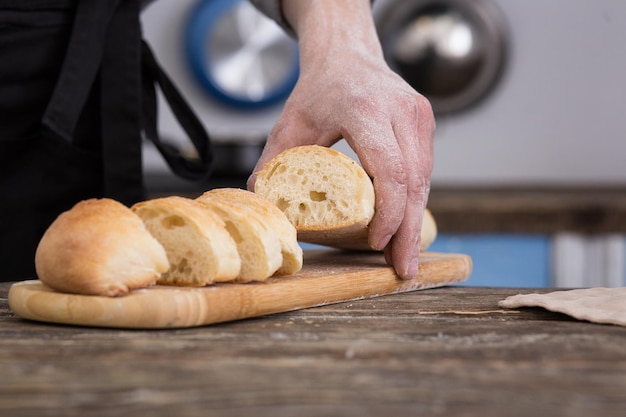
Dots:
pixel 346 90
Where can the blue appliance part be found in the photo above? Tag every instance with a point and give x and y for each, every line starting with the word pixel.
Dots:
pixel 239 56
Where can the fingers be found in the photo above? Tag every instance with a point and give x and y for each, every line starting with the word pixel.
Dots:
pixel 404 248
pixel 382 159
pixel 270 150
pixel 416 143
pixel 401 164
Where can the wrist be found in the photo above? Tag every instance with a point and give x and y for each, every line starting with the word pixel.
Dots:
pixel 326 26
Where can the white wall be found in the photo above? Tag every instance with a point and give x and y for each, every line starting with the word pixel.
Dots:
pixel 559 115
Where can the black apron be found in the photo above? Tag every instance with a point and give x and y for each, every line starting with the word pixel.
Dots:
pixel 77 97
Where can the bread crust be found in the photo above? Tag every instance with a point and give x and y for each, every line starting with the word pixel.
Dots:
pixel 355 236
pixel 99 247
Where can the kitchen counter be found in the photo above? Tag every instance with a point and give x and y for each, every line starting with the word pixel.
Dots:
pixel 548 210
pixel 446 351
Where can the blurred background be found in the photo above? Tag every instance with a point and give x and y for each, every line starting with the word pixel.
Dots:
pixel 529 96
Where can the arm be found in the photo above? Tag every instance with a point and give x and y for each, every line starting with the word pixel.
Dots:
pixel 346 90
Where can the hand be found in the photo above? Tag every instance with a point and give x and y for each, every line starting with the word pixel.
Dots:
pixel 346 90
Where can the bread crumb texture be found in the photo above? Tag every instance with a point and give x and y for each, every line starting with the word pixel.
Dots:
pixel 317 187
pixel 199 248
pixel 277 222
pixel 258 245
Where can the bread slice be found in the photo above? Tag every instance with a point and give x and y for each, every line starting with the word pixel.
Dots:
pixel 257 243
pixel 276 220
pixel 199 248
pixel 327 196
pixel 99 247
pixel 317 188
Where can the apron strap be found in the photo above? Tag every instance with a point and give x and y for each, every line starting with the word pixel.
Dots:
pixel 199 167
pixel 80 67
pixel 106 42
pixel 120 104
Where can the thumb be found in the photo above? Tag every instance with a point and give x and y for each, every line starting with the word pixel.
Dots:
pixel 281 138
pixel 269 152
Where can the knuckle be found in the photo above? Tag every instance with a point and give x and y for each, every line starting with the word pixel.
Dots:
pixel 420 187
pixel 424 107
pixel 400 175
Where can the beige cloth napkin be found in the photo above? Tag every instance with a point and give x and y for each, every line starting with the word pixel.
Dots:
pixel 598 305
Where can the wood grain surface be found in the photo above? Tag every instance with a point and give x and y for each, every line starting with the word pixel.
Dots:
pixel 328 276
pixel 518 209
pixel 440 352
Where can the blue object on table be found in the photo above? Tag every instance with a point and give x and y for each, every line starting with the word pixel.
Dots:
pixel 499 260
pixel 502 260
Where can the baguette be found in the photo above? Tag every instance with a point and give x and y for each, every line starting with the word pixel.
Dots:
pixel 99 247
pixel 327 196
pixel 276 220
pixel 257 244
pixel 199 248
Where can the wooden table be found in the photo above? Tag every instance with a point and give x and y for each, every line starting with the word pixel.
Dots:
pixel 447 351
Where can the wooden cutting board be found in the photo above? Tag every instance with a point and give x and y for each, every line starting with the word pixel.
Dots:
pixel 328 276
